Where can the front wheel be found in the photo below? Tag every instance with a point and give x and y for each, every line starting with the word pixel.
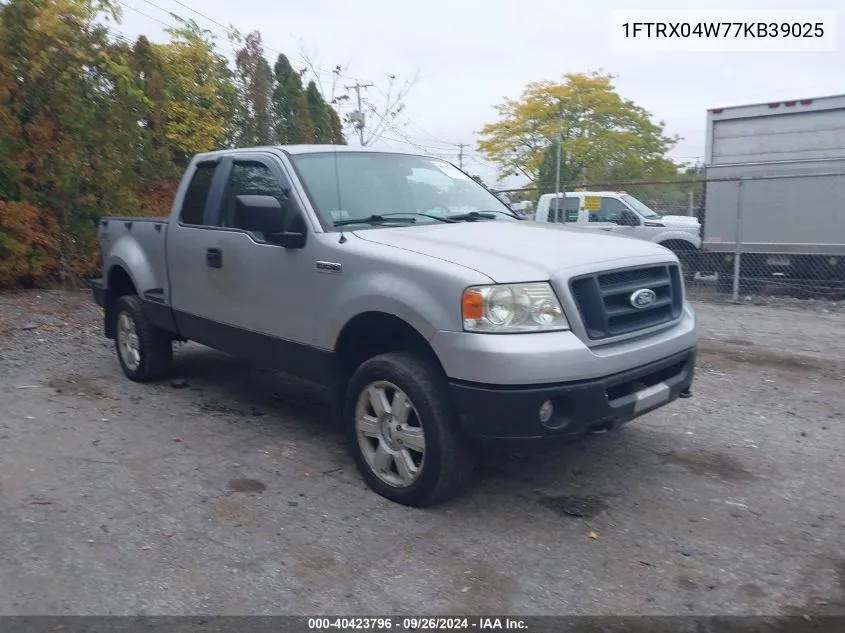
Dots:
pixel 689 261
pixel 402 432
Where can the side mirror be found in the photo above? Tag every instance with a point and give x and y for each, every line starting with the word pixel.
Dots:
pixel 288 239
pixel 264 214
pixel 629 219
pixel 261 214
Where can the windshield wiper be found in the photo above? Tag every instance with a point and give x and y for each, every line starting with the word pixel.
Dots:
pixel 384 219
pixel 376 219
pixel 472 216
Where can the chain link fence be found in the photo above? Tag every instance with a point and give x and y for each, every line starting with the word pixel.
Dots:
pixel 739 236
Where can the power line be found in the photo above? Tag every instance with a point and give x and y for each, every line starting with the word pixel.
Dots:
pixel 146 15
pixel 229 29
pixel 433 151
pixel 203 15
pixel 420 130
pixel 167 24
pixel 357 116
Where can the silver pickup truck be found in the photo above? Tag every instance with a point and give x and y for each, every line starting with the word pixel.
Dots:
pixel 434 315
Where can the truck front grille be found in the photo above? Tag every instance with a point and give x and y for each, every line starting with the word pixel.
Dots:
pixel 604 299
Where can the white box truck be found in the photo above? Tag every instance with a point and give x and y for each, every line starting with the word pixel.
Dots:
pixel 776 186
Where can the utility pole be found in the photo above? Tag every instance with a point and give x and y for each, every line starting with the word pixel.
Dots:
pixel 559 212
pixel 461 147
pixel 357 117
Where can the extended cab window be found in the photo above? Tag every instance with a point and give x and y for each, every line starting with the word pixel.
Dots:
pixel 193 206
pixel 251 179
pixel 570 205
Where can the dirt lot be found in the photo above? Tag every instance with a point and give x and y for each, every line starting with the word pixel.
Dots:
pixel 225 491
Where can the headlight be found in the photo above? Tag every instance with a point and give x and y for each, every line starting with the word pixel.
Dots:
pixel 512 308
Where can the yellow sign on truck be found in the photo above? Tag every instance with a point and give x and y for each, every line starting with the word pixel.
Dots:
pixel 592 203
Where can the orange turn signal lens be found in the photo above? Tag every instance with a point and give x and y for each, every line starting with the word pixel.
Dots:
pixel 473 305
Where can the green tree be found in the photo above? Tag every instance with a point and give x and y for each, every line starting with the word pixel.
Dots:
pixel 254 82
pixel 291 121
pixel 327 126
pixel 154 159
pixel 605 136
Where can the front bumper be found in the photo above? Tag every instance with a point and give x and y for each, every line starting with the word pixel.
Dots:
pixel 512 412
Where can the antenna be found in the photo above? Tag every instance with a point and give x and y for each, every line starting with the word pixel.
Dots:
pixel 342 239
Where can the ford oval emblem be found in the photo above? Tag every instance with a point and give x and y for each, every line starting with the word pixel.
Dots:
pixel 642 298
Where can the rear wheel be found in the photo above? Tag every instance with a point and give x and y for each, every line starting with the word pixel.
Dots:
pixel 748 283
pixel 145 352
pixel 402 433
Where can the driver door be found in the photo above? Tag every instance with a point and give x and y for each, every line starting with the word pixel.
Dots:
pixel 613 216
pixel 263 288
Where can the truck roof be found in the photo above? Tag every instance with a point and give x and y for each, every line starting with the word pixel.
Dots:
pixel 587 193
pixel 306 149
pixel 776 132
pixel 774 107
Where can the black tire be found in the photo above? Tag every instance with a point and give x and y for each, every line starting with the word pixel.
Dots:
pixel 448 462
pixel 155 346
pixel 725 282
pixel 689 260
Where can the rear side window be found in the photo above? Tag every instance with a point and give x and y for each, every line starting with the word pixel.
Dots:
pixel 570 206
pixel 193 206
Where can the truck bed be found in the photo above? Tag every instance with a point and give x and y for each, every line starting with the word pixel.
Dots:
pixel 138 242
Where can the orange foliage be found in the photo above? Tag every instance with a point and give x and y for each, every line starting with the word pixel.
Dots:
pixel 156 199
pixel 27 244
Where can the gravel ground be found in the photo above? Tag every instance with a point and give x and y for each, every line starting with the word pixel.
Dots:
pixel 226 491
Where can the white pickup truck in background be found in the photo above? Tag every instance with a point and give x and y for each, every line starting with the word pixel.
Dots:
pixel 621 214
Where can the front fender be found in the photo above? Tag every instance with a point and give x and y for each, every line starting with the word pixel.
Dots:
pixel 682 236
pixel 388 293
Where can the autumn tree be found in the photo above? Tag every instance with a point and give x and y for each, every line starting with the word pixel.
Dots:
pixel 201 97
pixel 93 125
pixel 27 243
pixel 76 107
pixel 605 137
pixel 9 131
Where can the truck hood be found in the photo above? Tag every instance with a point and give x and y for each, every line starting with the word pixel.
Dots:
pixel 509 251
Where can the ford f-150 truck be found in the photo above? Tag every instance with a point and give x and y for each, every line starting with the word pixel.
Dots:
pixel 622 214
pixel 435 316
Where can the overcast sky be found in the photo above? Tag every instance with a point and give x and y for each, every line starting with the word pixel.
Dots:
pixel 471 53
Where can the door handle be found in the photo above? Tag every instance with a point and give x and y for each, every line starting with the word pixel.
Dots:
pixel 606 229
pixel 214 258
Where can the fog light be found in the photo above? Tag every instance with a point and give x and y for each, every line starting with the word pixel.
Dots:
pixel 546 411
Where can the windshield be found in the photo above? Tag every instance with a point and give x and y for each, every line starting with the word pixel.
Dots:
pixel 639 207
pixel 345 186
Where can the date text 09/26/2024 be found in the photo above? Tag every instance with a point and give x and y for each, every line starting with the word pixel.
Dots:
pixel 416 624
